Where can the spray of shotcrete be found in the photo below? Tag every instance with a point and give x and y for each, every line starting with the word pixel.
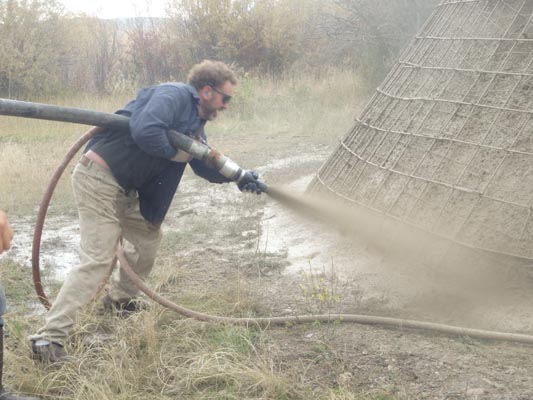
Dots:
pixel 382 234
pixel 350 220
pixel 439 278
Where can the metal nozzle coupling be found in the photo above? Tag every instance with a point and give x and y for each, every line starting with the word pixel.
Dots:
pixel 230 169
pixel 226 166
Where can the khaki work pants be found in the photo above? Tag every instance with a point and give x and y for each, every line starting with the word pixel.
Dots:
pixel 106 213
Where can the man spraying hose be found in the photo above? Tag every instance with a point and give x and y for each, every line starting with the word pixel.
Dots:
pixel 124 185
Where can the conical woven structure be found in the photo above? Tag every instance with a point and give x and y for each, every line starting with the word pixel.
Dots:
pixel 446 143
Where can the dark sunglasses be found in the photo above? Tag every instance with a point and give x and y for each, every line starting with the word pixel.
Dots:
pixel 225 97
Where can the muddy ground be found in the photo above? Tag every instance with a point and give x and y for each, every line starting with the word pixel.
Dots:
pixel 287 265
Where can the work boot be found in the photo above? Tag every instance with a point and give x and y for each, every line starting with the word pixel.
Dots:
pixel 123 307
pixel 48 352
pixel 4 393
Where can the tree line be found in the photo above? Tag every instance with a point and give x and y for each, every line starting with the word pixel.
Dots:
pixel 45 50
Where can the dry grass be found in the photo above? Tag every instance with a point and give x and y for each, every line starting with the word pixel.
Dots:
pixel 30 151
pixel 156 354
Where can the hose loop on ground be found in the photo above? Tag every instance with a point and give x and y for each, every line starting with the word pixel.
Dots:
pixel 43 209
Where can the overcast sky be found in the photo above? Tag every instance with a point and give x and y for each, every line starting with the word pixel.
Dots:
pixel 117 8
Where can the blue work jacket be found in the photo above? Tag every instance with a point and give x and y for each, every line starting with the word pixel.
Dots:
pixel 140 159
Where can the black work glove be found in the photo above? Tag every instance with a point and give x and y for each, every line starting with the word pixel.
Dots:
pixel 250 183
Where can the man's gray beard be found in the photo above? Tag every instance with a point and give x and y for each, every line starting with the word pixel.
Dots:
pixel 209 112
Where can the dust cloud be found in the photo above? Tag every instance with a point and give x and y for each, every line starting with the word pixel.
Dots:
pixel 442 280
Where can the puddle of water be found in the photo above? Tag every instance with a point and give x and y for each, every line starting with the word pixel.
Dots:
pixel 60 237
pixel 59 244
pixel 306 243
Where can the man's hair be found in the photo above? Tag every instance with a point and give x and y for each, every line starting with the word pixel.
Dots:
pixel 212 73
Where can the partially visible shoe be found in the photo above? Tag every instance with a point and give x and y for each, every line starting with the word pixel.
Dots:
pixel 46 351
pixel 7 395
pixel 124 307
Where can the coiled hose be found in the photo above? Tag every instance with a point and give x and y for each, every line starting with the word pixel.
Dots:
pixel 298 319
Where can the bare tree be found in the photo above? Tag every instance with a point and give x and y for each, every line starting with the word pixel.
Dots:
pixel 31 46
pixel 370 34
pixel 154 55
pixel 258 35
pixel 104 51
